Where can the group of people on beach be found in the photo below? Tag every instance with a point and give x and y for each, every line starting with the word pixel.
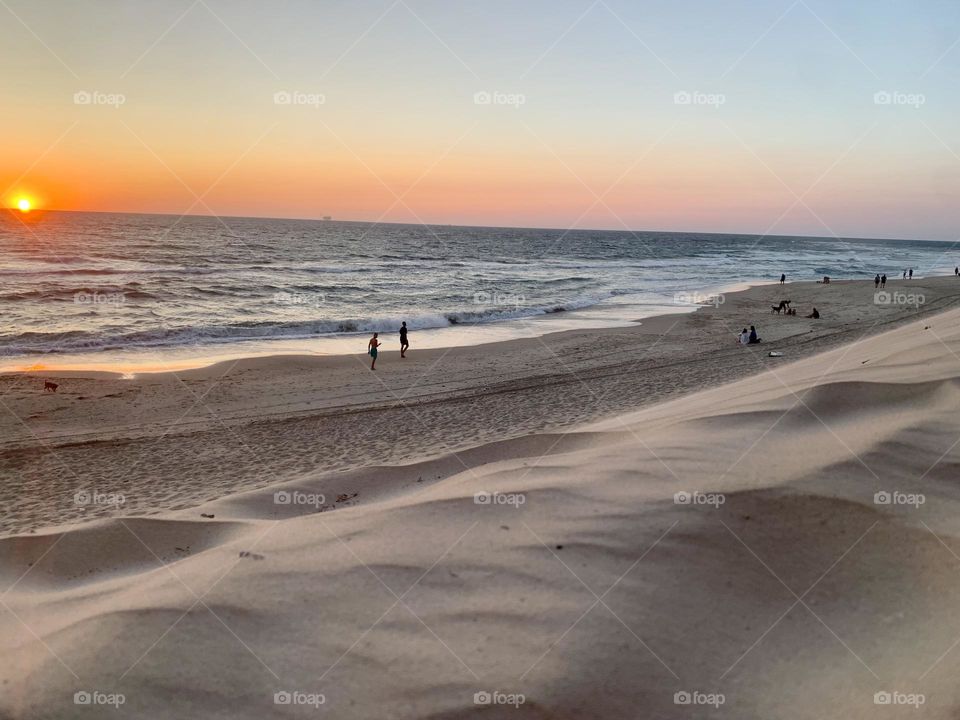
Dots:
pixel 374 345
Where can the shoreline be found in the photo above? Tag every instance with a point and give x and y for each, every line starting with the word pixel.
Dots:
pixel 501 331
pixel 306 416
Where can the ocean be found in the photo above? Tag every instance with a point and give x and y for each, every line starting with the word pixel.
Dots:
pixel 96 288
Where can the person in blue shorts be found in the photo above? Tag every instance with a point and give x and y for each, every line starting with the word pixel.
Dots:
pixel 372 351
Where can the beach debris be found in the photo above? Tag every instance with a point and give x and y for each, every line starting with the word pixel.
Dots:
pixel 559 547
pixel 251 555
pixel 207 515
pixel 343 497
pixel 774 353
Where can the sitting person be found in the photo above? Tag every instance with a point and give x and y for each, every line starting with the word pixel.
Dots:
pixel 744 338
pixel 753 339
pixel 815 314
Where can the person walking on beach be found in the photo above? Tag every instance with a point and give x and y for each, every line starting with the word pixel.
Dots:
pixel 883 280
pixel 876 281
pixel 783 278
pixel 403 339
pixel 956 270
pixel 904 274
pixel 372 350
pixel 911 273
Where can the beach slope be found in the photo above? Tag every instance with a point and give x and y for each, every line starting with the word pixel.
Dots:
pixel 785 546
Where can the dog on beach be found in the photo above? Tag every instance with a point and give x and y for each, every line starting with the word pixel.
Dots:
pixel 784 305
pixel 50 386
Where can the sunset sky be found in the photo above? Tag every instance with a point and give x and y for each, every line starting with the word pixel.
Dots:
pixel 173 107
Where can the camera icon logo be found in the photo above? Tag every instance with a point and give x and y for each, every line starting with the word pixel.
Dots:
pixel 682 498
pixel 82 697
pixel 882 297
pixel 282 97
pixel 482 498
pixel 882 698
pixel 482 698
pixel 81 498
pixel 82 98
pixel 882 97
pixel 682 98
pixel 482 98
pixel 282 697
pixel 282 497
pixel 882 498
pixel 682 697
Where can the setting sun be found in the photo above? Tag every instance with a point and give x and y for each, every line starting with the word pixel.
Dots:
pixel 23 204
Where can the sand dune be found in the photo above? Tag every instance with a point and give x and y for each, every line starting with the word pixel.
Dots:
pixel 584 583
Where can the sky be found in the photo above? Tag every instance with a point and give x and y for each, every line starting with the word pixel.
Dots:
pixel 802 117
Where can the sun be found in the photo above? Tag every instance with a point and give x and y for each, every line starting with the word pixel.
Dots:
pixel 24 205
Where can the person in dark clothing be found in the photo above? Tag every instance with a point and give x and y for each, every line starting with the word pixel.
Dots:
pixel 883 280
pixel 815 314
pixel 753 336
pixel 876 281
pixel 403 340
pixel 783 278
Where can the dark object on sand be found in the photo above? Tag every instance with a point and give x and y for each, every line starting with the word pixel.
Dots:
pixel 252 556
pixel 784 305
pixel 50 386
pixel 206 515
pixel 815 314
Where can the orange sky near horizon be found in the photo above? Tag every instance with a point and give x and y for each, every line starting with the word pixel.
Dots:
pixel 598 139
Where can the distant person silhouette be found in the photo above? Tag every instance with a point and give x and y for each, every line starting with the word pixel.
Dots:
pixel 815 314
pixel 783 278
pixel 403 340
pixel 876 281
pixel 372 350
pixel 911 273
pixel 904 274
pixel 883 280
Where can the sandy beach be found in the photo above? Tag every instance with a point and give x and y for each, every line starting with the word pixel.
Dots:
pixel 597 525
pixel 168 441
